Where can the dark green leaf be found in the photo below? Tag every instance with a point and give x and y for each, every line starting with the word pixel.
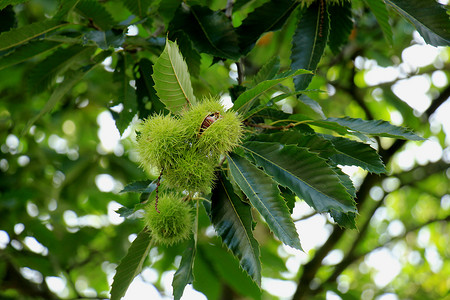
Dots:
pixel 7 19
pixel 378 8
pixel 145 186
pixel 309 41
pixel 96 13
pixel 264 195
pixel 358 154
pixel 245 101
pixel 346 220
pixel 188 51
pixel 184 275
pixel 270 16
pixel 105 39
pixel 313 104
pixel 305 173
pixel 5 3
pixel 207 279
pixel 27 51
pixel 23 34
pixel 131 264
pixel 145 91
pixel 172 81
pixel 341 24
pixel 44 73
pixel 138 7
pixel 429 17
pixel 376 128
pixel 210 31
pixel 232 221
pixel 125 212
pixel 126 95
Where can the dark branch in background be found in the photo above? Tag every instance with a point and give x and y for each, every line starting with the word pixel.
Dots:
pixel 310 269
pixel 240 72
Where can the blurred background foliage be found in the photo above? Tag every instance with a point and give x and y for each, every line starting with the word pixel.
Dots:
pixel 60 181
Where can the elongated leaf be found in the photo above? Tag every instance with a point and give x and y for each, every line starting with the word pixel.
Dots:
pixel 27 51
pixel 346 220
pixel 138 7
pixel 144 186
pixel 62 89
pixel 429 17
pixel 303 172
pixel 311 141
pixel 172 82
pixel 145 90
pixel 246 99
pixel 270 16
pixel 358 154
pixel 210 31
pixel 23 34
pixel 126 95
pixel 188 51
pixel 309 41
pixel 376 128
pixel 44 73
pixel 378 8
pixel 232 221
pixel 265 196
pixel 5 3
pixel 95 13
pixel 185 273
pixel 131 264
pixel 341 24
pixel 268 71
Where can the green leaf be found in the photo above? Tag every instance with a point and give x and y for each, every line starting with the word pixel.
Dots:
pixel 144 186
pixel 63 88
pixel 138 7
pixel 357 154
pixel 145 90
pixel 125 212
pixel 305 173
pixel 45 72
pixel 265 196
pixel 378 8
pixel 23 34
pixel 341 24
pixel 105 39
pixel 232 221
pixel 7 19
pixel 172 82
pixel 309 41
pixel 27 51
pixel 376 128
pixel 188 51
pixel 429 17
pixel 346 220
pixel 131 264
pixel 185 273
pixel 270 16
pixel 268 71
pixel 210 31
pixel 96 13
pixel 5 3
pixel 245 101
pixel 126 95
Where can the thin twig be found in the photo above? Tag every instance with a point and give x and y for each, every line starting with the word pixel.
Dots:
pixel 158 182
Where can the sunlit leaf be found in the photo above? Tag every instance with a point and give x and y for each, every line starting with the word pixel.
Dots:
pixel 303 172
pixel 264 195
pixel 309 41
pixel 268 71
pixel 172 82
pixel 131 264
pixel 232 221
